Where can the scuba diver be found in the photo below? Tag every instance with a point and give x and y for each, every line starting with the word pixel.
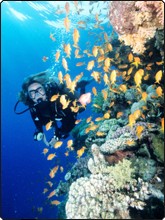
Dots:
pixel 52 104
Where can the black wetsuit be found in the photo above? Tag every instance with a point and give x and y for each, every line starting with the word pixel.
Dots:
pixel 46 111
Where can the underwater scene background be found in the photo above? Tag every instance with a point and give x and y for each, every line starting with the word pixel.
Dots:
pixel 114 168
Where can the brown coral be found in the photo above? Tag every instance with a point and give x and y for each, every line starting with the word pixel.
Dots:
pixel 117 156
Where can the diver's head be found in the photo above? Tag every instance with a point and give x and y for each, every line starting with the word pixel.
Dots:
pixel 36 92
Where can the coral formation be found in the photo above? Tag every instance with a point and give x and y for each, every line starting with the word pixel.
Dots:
pixel 136 21
pixel 108 192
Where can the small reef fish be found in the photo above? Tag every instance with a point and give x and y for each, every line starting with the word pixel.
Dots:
pixel 45 151
pixel 66 153
pixel 119 114
pixel 144 96
pixel 96 76
pixel 65 64
pixel 70 144
pixel 158 76
pixel 57 55
pixel 54 97
pixel 45 190
pixel 113 77
pixel 159 91
pixel 107 62
pixel 107 115
pixel 76 36
pixel 136 62
pixel 130 57
pixel 100 133
pixel 51 156
pixel 51 194
pixel 58 144
pixel 89 119
pixel 139 130
pixel 105 94
pixel 105 78
pixel 55 202
pixel 81 152
pixel 49 183
pixel 90 65
pixel 94 91
pixel 48 125
pixel 60 77
pixel 67 23
pixel 162 125
pixel 95 51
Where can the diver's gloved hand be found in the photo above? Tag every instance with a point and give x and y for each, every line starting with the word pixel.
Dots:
pixel 53 140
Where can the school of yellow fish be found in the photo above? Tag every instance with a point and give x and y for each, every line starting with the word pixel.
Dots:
pixel 98 67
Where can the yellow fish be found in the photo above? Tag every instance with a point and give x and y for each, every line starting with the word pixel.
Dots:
pixel 130 57
pixel 52 194
pixel 96 106
pixel 101 51
pixel 96 76
pixel 49 183
pixel 51 156
pixel 107 62
pixel 100 133
pixel 54 97
pixel 67 49
pixel 60 77
pixel 139 130
pixel 81 152
pixel 94 91
pixel 109 47
pixel 107 115
pixel 58 144
pixel 130 70
pixel 137 114
pixel 158 76
pixel 69 143
pixel 90 65
pixel 162 125
pixel 45 151
pixel 48 125
pixel 123 88
pixel 105 78
pixel 136 62
pixel 160 63
pixel 80 63
pixel 88 119
pixel 138 78
pixel 144 96
pixel 159 91
pixel 113 77
pixel 95 51
pixel 119 114
pixel 99 119
pixel 131 120
pixel 67 23
pixel 55 202
pixel 105 94
pixel 57 55
pixel 76 36
pixel 65 64
pixel 100 59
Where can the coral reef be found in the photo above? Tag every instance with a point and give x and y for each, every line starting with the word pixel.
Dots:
pixel 109 192
pixel 136 21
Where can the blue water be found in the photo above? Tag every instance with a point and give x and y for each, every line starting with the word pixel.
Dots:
pixel 25 40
